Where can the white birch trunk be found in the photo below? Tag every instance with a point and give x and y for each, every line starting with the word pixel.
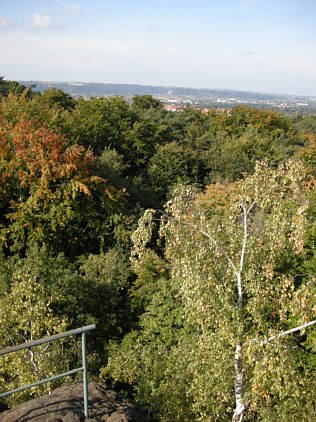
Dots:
pixel 239 385
pixel 239 378
pixel 240 406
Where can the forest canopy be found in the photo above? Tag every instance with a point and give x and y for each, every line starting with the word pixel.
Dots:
pixel 188 238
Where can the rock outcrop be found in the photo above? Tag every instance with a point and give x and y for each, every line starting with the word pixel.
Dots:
pixel 65 404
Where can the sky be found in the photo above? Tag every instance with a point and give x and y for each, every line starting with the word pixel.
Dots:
pixel 251 45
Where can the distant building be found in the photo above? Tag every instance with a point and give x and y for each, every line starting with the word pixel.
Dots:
pixel 171 107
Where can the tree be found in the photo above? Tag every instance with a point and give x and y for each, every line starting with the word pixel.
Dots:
pixel 46 293
pixel 57 97
pixel 26 314
pixel 146 102
pixel 305 123
pixel 233 254
pixel 272 208
pixel 14 108
pixel 43 186
pixel 15 88
pixel 99 123
pixel 175 164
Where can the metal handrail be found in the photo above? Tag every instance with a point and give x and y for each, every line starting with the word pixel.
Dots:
pixel 83 369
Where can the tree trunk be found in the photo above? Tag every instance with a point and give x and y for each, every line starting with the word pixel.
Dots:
pixel 239 384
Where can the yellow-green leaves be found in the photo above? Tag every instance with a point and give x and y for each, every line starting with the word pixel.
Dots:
pixel 232 255
pixel 25 315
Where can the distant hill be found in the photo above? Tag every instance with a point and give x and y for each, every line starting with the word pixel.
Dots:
pixel 98 89
pixel 199 96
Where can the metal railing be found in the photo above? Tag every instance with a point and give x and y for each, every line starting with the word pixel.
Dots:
pixel 82 369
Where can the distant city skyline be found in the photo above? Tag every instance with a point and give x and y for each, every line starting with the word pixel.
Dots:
pixel 249 45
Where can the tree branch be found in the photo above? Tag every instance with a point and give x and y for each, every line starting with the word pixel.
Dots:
pixel 221 248
pixel 292 330
pixel 284 333
pixel 243 250
pixel 216 243
pixel 251 207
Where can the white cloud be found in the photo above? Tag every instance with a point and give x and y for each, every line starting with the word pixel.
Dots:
pixel 58 55
pixel 73 7
pixel 247 53
pixel 76 8
pixel 4 22
pixel 42 21
pixel 46 11
pixel 245 4
pixel 153 29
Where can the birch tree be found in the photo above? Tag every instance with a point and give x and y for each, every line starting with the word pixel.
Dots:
pixel 242 240
pixel 233 253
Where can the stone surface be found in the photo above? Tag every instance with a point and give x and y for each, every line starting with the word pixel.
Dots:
pixel 65 404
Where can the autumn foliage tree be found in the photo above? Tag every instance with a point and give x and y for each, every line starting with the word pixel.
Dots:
pixel 43 182
pixel 232 268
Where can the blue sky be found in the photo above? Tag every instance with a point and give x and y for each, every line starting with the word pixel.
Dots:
pixel 254 45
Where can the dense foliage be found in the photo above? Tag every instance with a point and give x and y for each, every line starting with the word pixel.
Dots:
pixel 185 303
pixel 195 320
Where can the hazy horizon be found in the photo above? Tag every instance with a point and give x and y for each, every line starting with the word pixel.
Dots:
pixel 164 86
pixel 243 45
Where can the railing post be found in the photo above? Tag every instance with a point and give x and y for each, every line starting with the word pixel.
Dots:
pixel 84 375
pixel 30 344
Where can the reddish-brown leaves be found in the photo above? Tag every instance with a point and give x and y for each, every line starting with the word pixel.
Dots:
pixel 38 157
pixel 40 176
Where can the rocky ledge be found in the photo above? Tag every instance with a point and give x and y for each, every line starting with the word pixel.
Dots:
pixel 65 404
